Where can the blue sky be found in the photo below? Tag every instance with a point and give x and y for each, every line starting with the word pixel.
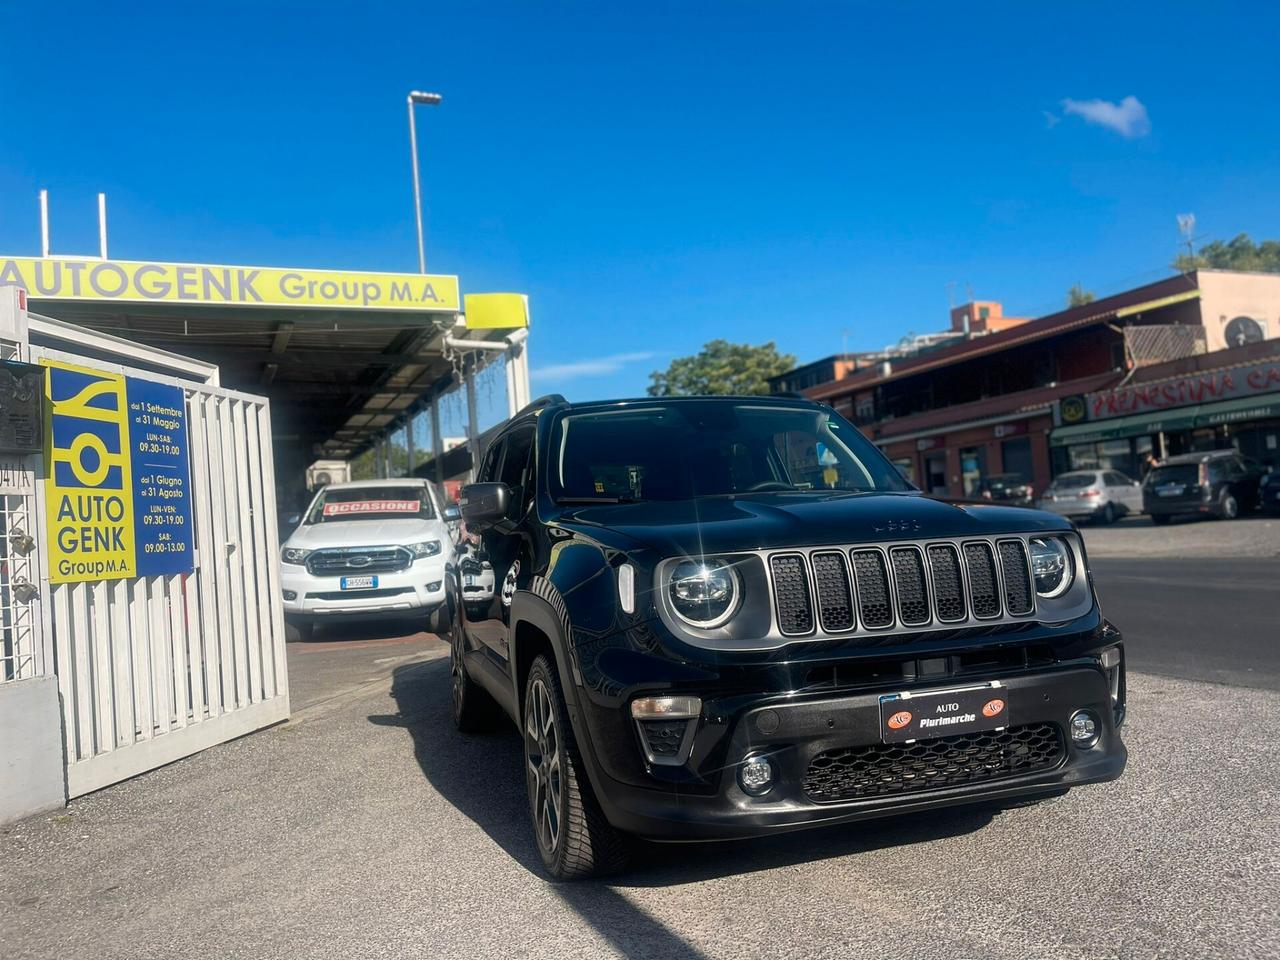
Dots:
pixel 655 175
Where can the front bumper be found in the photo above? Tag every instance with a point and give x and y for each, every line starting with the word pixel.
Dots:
pixel 794 731
pixel 416 589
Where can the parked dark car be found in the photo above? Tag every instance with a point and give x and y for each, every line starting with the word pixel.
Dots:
pixel 1269 491
pixel 1011 488
pixel 723 617
pixel 1220 483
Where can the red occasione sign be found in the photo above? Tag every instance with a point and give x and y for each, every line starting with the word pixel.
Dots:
pixel 372 506
pixel 1186 391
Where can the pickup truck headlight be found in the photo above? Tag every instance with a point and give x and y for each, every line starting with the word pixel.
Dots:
pixel 1051 566
pixel 704 593
pixel 428 548
pixel 294 555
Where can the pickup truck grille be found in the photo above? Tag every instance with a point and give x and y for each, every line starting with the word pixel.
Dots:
pixel 357 560
pixel 905 585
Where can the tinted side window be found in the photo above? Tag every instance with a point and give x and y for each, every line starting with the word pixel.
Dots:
pixel 489 465
pixel 516 468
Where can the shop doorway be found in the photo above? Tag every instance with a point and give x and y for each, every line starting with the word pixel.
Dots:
pixel 935 474
pixel 972 467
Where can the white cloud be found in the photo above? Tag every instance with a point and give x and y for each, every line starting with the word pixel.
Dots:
pixel 1127 118
pixel 595 367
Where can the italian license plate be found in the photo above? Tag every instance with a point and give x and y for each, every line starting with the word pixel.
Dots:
pixel 943 713
pixel 359 583
pixel 1169 491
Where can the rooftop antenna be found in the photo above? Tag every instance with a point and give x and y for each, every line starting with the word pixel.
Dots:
pixel 951 294
pixel 1187 227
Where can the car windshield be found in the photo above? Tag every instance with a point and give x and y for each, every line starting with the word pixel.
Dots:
pixel 1003 480
pixel 371 503
pixel 1073 481
pixel 704 448
pixel 1175 473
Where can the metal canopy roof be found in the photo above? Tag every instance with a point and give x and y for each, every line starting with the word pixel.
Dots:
pixel 336 379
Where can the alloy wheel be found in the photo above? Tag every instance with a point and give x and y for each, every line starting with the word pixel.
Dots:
pixel 456 667
pixel 543 757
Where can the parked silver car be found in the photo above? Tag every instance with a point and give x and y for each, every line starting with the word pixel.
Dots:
pixel 1103 495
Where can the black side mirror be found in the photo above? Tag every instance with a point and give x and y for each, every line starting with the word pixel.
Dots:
pixel 484 504
pixel 451 514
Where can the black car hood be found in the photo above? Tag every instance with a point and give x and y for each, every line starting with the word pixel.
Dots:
pixel 774 520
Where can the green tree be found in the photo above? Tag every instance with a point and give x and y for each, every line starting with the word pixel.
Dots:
pixel 1238 254
pixel 722 368
pixel 365 466
pixel 1078 296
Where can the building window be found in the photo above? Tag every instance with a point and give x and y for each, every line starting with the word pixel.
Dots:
pixel 1016 455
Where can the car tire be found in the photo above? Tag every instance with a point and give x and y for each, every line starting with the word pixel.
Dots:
pixel 1228 506
pixel 474 711
pixel 1160 519
pixel 1109 514
pixel 298 631
pixel 439 620
pixel 571 833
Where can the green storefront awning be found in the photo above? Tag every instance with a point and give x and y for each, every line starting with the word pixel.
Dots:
pixel 1239 410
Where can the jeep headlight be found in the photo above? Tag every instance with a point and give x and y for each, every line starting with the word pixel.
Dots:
pixel 294 555
pixel 428 548
pixel 1051 566
pixel 704 593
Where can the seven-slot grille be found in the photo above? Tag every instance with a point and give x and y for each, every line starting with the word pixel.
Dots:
pixel 907 585
pixel 358 560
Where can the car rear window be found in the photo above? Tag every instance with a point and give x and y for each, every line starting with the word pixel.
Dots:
pixel 372 503
pixel 1175 473
pixel 1074 481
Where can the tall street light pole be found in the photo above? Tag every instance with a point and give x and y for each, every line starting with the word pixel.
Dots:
pixel 431 99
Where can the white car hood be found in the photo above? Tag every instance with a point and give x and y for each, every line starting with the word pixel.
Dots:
pixel 368 533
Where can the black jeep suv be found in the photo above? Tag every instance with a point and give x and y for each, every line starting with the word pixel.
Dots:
pixel 722 617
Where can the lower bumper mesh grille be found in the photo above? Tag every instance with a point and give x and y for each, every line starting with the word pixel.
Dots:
pixel 884 769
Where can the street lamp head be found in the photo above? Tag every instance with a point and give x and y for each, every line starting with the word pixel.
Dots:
pixel 417 96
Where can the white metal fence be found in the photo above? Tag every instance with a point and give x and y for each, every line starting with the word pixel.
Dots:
pixel 152 669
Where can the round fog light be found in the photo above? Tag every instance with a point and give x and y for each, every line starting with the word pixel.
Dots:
pixel 755 776
pixel 1084 728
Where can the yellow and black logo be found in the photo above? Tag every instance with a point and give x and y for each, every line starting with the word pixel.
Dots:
pixel 88 476
pixel 1072 409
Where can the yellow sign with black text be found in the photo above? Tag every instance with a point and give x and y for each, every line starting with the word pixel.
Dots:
pixel 88 495
pixel 82 278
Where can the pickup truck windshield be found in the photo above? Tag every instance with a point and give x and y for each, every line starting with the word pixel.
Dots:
pixel 677 450
pixel 372 503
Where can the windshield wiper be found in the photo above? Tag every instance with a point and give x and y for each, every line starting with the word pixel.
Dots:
pixel 597 500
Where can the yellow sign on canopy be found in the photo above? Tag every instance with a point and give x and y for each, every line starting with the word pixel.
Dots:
pixel 81 278
pixel 496 311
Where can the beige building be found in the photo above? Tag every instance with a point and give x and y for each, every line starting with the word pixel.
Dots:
pixel 1238 308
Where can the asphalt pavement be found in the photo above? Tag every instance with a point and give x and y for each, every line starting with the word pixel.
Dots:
pixel 1199 619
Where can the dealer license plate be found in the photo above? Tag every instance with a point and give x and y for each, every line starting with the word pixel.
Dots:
pixel 359 583
pixel 943 713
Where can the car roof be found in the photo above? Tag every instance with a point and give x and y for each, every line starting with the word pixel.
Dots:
pixel 375 484
pixel 1197 457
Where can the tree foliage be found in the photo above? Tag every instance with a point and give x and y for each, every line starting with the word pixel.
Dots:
pixel 365 466
pixel 1078 296
pixel 1238 254
pixel 722 368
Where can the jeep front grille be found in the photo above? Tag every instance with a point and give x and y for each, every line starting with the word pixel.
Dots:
pixel 357 560
pixel 791 593
pixel 889 769
pixel 837 590
pixel 1018 595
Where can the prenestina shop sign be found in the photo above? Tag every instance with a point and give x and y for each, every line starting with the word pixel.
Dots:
pixel 118 481
pixel 1207 387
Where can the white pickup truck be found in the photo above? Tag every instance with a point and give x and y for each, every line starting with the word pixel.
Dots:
pixel 368 550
